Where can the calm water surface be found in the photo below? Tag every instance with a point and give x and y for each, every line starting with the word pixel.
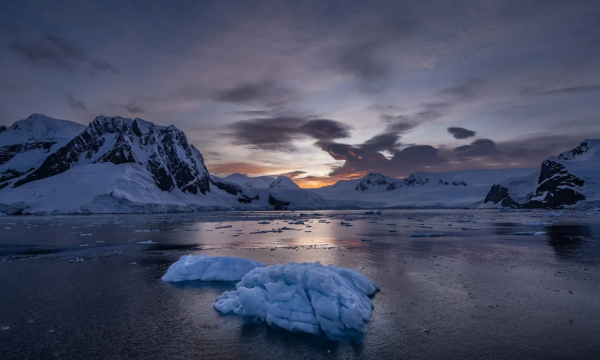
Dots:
pixel 472 294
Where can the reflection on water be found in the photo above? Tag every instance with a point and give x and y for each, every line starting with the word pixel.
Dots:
pixel 576 242
pixel 484 293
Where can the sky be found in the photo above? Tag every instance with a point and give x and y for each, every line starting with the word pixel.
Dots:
pixel 317 90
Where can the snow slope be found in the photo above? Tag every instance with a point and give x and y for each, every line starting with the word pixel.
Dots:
pixel 26 144
pixel 259 182
pixel 570 180
pixel 130 188
pixel 284 182
pixel 309 298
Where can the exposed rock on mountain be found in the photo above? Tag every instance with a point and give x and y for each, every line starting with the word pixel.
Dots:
pixel 164 151
pixel 571 179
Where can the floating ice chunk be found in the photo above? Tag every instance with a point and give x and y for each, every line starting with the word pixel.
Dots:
pixel 310 298
pixel 210 268
pixel 77 260
pixel 556 214
pixel 147 242
pixel 535 223
pixel 263 223
pixel 224 227
pixel 85 234
pixel 530 233
pixel 4 327
pixel 426 234
pixel 469 228
pixel 142 231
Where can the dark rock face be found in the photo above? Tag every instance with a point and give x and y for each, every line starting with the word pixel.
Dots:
pixel 247 200
pixel 570 155
pixel 556 187
pixel 278 204
pixel 391 184
pixel 2 128
pixel 227 187
pixel 371 180
pixel 164 151
pixel 499 194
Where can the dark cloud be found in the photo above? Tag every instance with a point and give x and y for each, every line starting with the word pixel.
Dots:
pixel 57 52
pixel 363 62
pixel 267 93
pixel 478 148
pixel 467 91
pixel 134 109
pixel 368 157
pixel 74 103
pixel 461 133
pixel 405 123
pixel 278 133
pixel 325 129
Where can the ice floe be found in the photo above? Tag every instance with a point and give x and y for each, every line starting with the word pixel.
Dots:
pixel 210 268
pixel 307 297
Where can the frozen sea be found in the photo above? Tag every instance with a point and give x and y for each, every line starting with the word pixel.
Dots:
pixel 481 291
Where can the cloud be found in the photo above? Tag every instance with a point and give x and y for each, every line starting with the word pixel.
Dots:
pixel 325 129
pixel 467 91
pixel 368 157
pixel 74 103
pixel 266 92
pixel 134 109
pixel 478 148
pixel 404 123
pixel 240 167
pixel 364 63
pixel 292 174
pixel 56 52
pixel 571 90
pixel 461 133
pixel 278 133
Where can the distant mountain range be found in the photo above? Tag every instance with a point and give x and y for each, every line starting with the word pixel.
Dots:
pixel 120 165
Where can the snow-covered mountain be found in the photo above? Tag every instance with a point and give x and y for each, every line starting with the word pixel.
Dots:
pixel 130 165
pixel 163 151
pixel 284 182
pixel 261 182
pixel 465 188
pixel 572 179
pixel 26 144
pixel 123 165
pixel 258 182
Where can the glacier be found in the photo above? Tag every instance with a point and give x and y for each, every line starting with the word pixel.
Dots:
pixel 308 297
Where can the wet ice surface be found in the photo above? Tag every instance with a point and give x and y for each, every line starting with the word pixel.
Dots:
pixel 485 293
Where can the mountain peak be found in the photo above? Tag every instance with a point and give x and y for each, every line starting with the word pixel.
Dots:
pixel 284 182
